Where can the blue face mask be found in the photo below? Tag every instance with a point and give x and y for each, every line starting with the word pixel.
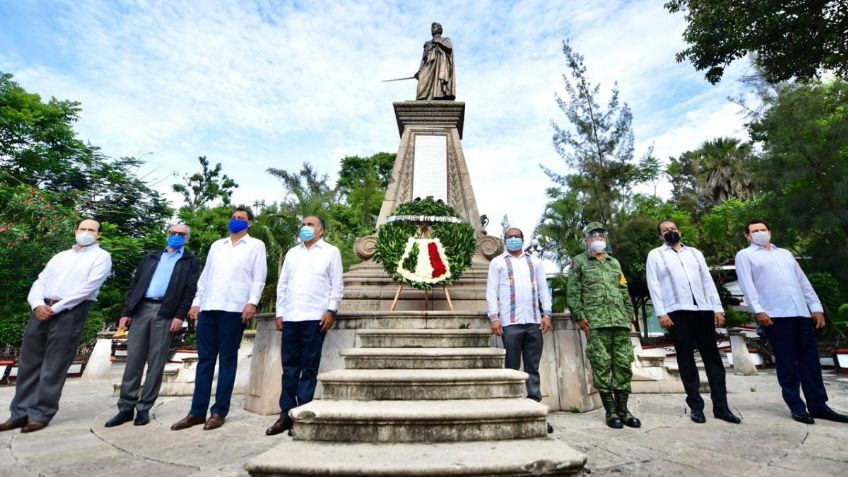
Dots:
pixel 237 225
pixel 307 233
pixel 176 242
pixel 513 244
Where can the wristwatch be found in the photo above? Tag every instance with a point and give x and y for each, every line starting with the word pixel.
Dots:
pixel 332 311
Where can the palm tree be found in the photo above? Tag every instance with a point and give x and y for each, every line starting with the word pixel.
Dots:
pixel 721 170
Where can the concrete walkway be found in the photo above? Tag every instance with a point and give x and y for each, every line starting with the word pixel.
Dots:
pixel 767 443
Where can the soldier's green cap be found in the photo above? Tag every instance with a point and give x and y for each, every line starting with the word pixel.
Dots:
pixel 592 227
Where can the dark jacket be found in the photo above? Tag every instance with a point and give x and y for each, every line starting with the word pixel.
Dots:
pixel 181 287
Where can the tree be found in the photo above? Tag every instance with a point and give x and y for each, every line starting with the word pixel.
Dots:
pixel 362 185
pixel 559 230
pixel 721 170
pixel 788 38
pixel 205 187
pixel 598 146
pixel 804 136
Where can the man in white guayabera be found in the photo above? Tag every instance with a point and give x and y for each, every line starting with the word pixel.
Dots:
pixel 60 299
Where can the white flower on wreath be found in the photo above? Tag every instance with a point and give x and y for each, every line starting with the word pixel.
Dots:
pixel 423 272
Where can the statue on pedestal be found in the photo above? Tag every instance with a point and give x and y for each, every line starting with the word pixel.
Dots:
pixel 436 76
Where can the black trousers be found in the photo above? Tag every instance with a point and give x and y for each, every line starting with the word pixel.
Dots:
pixel 47 352
pixel 696 330
pixel 796 360
pixel 302 342
pixel 523 343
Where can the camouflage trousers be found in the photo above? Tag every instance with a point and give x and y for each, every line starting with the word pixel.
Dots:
pixel 610 353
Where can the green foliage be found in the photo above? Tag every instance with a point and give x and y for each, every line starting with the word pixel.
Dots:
pixel 598 147
pixel 803 167
pixel 412 259
pixel 458 239
pixel 205 187
pixel 790 38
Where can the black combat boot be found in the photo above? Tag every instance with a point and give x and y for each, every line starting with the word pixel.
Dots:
pixel 609 405
pixel 628 419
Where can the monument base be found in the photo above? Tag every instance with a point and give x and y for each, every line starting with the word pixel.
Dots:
pixel 529 457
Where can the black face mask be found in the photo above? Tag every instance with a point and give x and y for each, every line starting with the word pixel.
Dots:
pixel 671 237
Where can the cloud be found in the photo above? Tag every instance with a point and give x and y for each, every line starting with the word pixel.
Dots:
pixel 274 84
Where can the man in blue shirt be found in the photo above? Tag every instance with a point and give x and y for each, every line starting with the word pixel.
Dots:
pixel 783 300
pixel 157 302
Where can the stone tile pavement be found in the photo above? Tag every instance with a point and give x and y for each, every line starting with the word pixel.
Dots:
pixel 767 442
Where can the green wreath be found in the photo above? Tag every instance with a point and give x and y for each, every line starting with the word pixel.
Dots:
pixel 457 238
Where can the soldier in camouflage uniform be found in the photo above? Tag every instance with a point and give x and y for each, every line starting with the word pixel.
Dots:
pixel 601 306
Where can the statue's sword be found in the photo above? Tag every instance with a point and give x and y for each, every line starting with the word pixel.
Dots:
pixel 399 79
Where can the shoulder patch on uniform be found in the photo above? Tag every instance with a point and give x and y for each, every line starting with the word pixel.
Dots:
pixel 621 280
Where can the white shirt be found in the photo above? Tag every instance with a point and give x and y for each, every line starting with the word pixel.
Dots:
pixel 310 282
pixel 498 291
pixel 234 275
pixel 675 278
pixel 774 284
pixel 71 277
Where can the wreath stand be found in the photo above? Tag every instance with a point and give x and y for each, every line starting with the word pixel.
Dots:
pixel 426 298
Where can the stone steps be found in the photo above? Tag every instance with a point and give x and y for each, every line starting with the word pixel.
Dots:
pixel 536 457
pixel 422 384
pixel 423 358
pixel 418 338
pixel 419 421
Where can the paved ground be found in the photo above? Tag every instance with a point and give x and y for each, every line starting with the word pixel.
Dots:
pixel 669 444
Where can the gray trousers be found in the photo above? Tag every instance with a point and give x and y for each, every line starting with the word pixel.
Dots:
pixel 47 352
pixel 148 341
pixel 525 341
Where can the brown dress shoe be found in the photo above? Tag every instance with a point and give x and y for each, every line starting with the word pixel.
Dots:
pixel 282 424
pixel 12 424
pixel 33 426
pixel 187 422
pixel 215 421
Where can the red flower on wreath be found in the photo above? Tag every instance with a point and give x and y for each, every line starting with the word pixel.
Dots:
pixel 435 260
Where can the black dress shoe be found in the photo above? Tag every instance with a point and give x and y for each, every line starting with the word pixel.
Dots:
pixel 282 424
pixel 142 418
pixel 726 415
pixel 550 428
pixel 120 418
pixel 830 415
pixel 803 417
pixel 698 416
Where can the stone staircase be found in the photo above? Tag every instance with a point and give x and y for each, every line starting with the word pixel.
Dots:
pixel 408 393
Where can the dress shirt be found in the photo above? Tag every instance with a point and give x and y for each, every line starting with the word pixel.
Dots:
pixel 310 282
pixel 773 283
pixel 498 290
pixel 162 275
pixel 234 275
pixel 72 277
pixel 676 278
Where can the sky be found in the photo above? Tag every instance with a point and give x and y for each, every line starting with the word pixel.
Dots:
pixel 260 84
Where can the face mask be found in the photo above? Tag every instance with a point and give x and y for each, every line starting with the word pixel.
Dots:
pixel 84 239
pixel 760 238
pixel 237 225
pixel 307 233
pixel 513 244
pixel 671 237
pixel 176 242
pixel 598 246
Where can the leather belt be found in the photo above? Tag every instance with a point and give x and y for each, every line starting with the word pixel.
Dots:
pixel 152 300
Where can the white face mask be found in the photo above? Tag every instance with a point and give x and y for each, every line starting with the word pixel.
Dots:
pixel 760 238
pixel 598 246
pixel 84 239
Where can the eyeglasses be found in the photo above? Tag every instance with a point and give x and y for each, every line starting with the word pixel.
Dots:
pixel 181 234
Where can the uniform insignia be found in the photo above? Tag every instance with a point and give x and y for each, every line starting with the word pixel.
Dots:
pixel 621 280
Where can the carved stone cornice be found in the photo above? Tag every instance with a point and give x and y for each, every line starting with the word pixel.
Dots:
pixel 440 114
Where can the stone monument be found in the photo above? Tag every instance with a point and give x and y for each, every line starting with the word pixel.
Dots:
pixel 421 392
